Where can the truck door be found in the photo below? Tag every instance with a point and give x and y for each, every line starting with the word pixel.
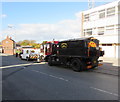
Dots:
pixel 25 53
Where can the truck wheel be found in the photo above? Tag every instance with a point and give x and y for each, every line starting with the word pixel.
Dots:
pixel 77 65
pixel 27 59
pixel 50 61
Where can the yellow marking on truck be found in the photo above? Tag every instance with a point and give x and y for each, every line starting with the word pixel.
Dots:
pixel 100 64
pixel 92 44
pixel 64 45
pixel 89 66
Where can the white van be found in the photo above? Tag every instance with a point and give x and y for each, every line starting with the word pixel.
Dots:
pixel 30 54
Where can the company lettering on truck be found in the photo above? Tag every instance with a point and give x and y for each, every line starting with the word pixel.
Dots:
pixel 64 45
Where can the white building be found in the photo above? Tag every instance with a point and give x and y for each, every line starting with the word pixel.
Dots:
pixel 103 23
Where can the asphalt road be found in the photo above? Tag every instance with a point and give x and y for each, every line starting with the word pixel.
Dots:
pixel 22 80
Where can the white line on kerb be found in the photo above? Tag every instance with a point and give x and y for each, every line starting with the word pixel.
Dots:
pixel 104 91
pixel 21 65
pixel 50 75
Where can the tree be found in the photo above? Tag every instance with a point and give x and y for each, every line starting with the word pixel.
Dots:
pixel 44 42
pixel 29 43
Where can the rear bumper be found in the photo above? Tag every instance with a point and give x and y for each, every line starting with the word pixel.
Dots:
pixel 93 65
pixel 32 57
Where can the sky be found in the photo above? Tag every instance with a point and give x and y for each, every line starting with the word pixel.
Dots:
pixel 42 21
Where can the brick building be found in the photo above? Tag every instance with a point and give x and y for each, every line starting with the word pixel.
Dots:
pixel 8 46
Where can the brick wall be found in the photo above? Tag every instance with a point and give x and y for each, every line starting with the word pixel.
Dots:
pixel 8 46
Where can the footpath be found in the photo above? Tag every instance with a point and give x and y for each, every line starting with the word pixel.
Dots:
pixel 110 66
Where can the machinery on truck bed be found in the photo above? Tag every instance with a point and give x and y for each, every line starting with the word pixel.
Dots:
pixel 80 54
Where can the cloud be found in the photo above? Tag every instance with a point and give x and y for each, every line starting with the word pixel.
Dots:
pixel 65 29
pixel 3 16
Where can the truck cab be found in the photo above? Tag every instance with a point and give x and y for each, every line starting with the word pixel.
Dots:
pixel 47 49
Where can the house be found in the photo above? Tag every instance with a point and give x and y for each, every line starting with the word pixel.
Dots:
pixel 8 46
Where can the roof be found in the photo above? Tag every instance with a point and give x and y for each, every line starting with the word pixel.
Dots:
pixel 8 38
pixel 77 39
pixel 55 42
pixel 104 6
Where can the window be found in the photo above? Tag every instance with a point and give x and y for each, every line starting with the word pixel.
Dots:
pixel 27 51
pixel 48 46
pixel 100 30
pixel 118 8
pixel 111 11
pixel 111 27
pixel 42 47
pixel 93 16
pixel 88 32
pixel 86 17
pixel 106 44
pixel 102 13
pixel 32 51
pixel 118 27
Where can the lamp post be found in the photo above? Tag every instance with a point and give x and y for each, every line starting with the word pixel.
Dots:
pixel 11 29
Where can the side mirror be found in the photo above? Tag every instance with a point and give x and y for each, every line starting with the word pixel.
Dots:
pixel 102 53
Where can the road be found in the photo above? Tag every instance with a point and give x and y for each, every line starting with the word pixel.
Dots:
pixel 22 80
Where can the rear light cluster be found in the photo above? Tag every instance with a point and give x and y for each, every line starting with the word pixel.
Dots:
pixel 88 62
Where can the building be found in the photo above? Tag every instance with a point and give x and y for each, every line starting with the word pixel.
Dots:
pixel 8 46
pixel 1 50
pixel 102 22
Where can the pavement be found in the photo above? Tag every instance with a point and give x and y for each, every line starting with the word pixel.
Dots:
pixel 113 61
pixel 110 66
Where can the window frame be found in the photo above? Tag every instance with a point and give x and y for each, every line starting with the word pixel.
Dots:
pixel 110 11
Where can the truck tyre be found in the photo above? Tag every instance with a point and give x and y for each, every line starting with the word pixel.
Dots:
pixel 77 65
pixel 27 59
pixel 50 63
pixel 21 58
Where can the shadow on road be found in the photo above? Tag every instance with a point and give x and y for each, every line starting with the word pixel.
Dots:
pixel 12 60
pixel 4 76
pixel 9 60
pixel 107 68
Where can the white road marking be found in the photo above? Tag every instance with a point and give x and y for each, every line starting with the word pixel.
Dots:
pixel 104 91
pixel 1 54
pixel 21 65
pixel 50 75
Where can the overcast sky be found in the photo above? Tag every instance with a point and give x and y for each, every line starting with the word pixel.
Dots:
pixel 42 21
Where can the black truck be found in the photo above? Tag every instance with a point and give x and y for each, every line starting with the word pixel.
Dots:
pixel 80 54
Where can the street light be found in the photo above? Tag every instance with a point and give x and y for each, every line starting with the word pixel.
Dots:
pixel 11 28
